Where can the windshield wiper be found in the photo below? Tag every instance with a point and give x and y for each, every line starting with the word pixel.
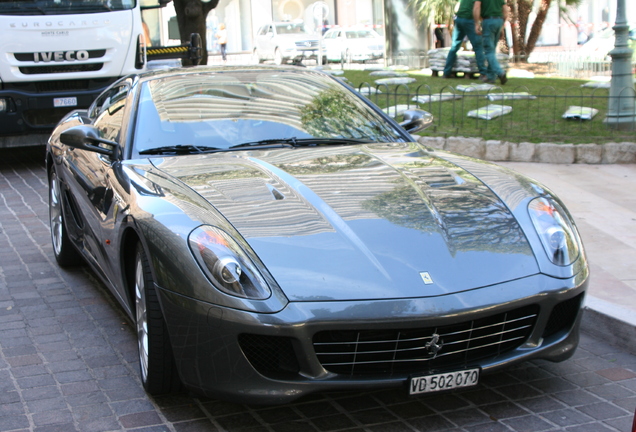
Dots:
pixel 301 142
pixel 179 150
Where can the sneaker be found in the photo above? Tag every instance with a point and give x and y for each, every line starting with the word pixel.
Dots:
pixel 503 78
pixel 446 76
pixel 486 80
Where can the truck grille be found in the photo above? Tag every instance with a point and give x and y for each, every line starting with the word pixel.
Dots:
pixel 61 68
pixel 364 352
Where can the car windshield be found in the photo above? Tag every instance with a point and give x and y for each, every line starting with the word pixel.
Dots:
pixel 361 34
pixel 291 28
pixel 62 7
pixel 220 110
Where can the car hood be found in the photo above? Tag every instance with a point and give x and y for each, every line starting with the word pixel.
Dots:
pixel 362 222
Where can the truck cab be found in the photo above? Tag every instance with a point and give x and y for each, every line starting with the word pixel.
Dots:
pixel 60 54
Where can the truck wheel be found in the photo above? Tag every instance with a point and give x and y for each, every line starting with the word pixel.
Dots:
pixel 65 253
pixel 156 362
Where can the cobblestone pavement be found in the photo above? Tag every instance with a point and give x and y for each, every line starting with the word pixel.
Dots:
pixel 68 360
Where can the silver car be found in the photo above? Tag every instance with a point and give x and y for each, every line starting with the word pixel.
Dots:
pixel 284 41
pixel 353 45
pixel 271 233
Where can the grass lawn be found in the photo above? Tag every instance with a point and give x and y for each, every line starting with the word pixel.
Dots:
pixel 531 120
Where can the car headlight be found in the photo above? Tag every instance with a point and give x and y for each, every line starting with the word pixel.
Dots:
pixel 226 264
pixel 556 231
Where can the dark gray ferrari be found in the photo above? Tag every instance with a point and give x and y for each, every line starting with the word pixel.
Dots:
pixel 271 233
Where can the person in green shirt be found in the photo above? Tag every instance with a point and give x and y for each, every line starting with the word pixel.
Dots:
pixel 466 25
pixel 493 14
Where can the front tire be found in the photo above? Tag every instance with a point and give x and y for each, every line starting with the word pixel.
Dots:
pixel 65 253
pixel 278 57
pixel 156 362
pixel 256 58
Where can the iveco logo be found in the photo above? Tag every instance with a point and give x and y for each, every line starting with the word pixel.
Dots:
pixel 59 56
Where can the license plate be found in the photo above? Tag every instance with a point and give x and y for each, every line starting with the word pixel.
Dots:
pixel 65 102
pixel 443 381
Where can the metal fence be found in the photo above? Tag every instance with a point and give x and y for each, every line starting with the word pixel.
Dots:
pixel 565 64
pixel 574 114
pixel 573 64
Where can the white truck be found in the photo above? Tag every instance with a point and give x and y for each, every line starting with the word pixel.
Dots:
pixel 58 55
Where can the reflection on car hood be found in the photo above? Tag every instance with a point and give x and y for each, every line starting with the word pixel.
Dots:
pixel 362 222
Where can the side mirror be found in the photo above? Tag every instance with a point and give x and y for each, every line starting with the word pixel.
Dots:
pixel 87 138
pixel 416 120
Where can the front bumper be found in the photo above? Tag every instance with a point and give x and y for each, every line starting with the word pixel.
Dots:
pixel 295 53
pixel 38 106
pixel 271 358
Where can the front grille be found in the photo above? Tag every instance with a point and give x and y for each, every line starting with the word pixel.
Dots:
pixel 61 85
pixel 32 70
pixel 94 85
pixel 307 44
pixel 272 356
pixel 364 352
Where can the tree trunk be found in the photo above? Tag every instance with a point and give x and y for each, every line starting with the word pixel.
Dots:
pixel 520 11
pixel 191 16
pixel 537 26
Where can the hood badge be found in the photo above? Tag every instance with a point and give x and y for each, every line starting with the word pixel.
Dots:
pixel 428 280
pixel 434 345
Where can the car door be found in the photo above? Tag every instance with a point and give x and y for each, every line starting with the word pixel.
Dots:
pixel 268 42
pixel 260 41
pixel 330 45
pixel 92 187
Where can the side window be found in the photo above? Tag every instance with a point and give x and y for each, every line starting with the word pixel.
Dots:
pixel 107 112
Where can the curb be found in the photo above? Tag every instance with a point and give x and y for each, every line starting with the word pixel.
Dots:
pixel 610 323
pixel 503 151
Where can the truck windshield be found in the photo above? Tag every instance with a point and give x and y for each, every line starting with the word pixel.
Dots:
pixel 62 7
